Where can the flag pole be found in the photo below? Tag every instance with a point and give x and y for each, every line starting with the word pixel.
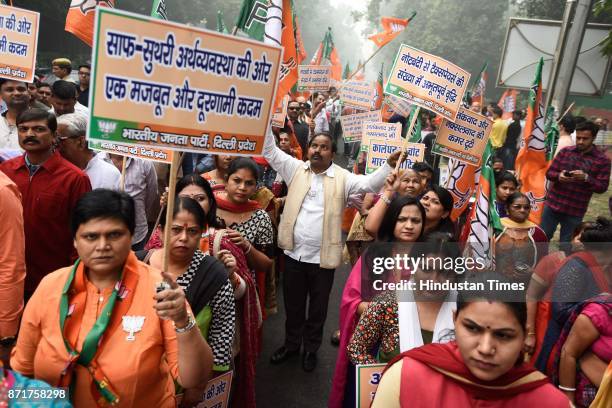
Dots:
pixel 362 65
pixel 565 113
pixel 405 144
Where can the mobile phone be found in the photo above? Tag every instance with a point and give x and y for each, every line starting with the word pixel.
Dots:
pixel 161 286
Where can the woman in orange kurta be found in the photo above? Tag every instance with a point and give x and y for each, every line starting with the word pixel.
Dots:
pixel 99 327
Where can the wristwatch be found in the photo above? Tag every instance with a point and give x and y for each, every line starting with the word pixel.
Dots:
pixel 191 323
pixel 8 341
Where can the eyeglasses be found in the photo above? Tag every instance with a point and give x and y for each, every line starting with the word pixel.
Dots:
pixel 293 108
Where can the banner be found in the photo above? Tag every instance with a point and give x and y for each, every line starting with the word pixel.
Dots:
pixel 380 149
pixel 352 125
pixel 138 152
pixel 357 94
pixel 368 377
pixel 18 42
pixel 461 184
pixel 428 81
pixel 398 105
pixel 314 77
pixel 155 84
pixel 465 139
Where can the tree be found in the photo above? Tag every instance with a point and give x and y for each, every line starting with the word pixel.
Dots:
pixel 467 33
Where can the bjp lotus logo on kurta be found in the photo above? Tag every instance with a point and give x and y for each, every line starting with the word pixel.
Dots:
pixel 89 5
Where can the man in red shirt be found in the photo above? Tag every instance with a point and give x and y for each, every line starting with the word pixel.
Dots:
pixel 50 187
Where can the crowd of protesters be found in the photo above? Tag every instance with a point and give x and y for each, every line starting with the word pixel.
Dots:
pixel 81 257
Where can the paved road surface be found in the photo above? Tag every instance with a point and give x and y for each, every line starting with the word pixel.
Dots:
pixel 287 385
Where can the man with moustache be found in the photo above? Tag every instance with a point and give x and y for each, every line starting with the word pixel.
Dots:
pixel 300 128
pixel 310 235
pixel 15 95
pixel 50 186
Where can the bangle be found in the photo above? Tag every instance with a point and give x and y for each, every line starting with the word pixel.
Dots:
pixel 248 250
pixel 568 389
pixel 385 200
pixel 190 325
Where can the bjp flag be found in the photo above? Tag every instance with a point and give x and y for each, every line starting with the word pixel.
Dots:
pixel 80 18
pixel 483 221
pixel 461 184
pixel 283 35
pixel 392 28
pixel 532 160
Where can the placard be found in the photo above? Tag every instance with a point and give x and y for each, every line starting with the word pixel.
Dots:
pixel 314 77
pixel 380 130
pixel 138 152
pixel 158 83
pixel 18 42
pixel 399 105
pixel 352 125
pixel 216 393
pixel 368 378
pixel 280 114
pixel 429 81
pixel 465 139
pixel 380 149
pixel 357 94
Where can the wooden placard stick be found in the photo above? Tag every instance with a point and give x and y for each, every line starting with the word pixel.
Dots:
pixel 174 165
pixel 408 134
pixel 122 179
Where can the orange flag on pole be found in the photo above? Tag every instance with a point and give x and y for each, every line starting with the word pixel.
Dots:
pixel 283 35
pixel 532 161
pixel 392 28
pixel 80 18
pixel 461 183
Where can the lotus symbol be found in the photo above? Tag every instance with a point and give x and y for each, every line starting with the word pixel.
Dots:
pixel 89 5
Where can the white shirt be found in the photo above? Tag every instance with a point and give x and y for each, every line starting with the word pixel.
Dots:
pixel 78 108
pixel 102 174
pixel 321 122
pixel 8 135
pixel 141 185
pixel 308 229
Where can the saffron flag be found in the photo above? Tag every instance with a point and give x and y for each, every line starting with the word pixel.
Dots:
pixel 220 23
pixel 279 30
pixel 392 28
pixel 480 86
pixel 359 75
pixel 159 10
pixel 461 184
pixel 252 18
pixel 299 44
pixel 508 102
pixel 532 160
pixel 327 54
pixel 484 220
pixel 80 18
pixel 378 99
pixel 347 71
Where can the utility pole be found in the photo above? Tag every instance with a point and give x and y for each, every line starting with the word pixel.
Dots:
pixel 570 56
pixel 559 51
